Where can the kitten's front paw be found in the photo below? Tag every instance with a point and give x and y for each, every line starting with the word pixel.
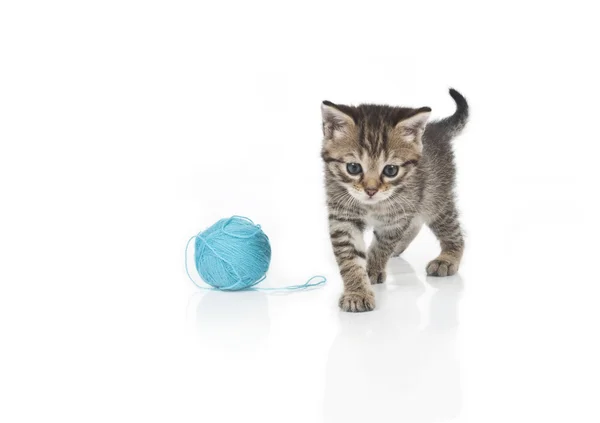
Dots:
pixel 376 275
pixel 357 301
pixel 442 267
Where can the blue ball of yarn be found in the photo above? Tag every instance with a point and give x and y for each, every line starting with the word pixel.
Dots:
pixel 232 254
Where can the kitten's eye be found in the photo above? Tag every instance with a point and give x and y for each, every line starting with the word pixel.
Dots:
pixel 390 171
pixel 353 168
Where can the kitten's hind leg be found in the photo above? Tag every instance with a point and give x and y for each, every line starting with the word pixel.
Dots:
pixel 446 228
pixel 409 236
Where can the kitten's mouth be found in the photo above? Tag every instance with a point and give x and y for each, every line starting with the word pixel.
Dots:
pixel 373 200
pixel 367 199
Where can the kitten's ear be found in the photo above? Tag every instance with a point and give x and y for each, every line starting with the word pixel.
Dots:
pixel 336 119
pixel 413 126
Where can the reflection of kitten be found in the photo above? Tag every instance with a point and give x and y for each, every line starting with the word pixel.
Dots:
pixel 387 167
pixel 399 364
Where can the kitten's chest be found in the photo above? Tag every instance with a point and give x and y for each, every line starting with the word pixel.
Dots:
pixel 375 219
pixel 380 219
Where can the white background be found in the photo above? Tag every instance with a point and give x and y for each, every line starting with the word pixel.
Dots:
pixel 126 127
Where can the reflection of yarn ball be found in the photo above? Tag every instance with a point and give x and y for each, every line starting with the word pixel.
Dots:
pixel 232 254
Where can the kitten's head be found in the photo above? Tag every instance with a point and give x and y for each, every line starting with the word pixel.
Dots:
pixel 372 151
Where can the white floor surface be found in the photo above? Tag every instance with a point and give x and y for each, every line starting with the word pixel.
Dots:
pixel 127 127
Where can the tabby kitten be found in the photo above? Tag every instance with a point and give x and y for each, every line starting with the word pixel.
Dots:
pixel 388 168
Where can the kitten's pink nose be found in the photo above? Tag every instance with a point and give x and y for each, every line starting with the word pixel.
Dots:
pixel 371 191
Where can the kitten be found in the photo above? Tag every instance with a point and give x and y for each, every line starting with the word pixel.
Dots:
pixel 386 167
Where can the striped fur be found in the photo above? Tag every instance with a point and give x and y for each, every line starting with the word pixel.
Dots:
pixel 422 192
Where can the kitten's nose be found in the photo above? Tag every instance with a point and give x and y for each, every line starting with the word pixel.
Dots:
pixel 371 191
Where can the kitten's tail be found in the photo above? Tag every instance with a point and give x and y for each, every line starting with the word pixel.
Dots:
pixel 451 126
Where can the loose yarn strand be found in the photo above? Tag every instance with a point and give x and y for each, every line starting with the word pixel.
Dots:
pixel 234 254
pixel 305 285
